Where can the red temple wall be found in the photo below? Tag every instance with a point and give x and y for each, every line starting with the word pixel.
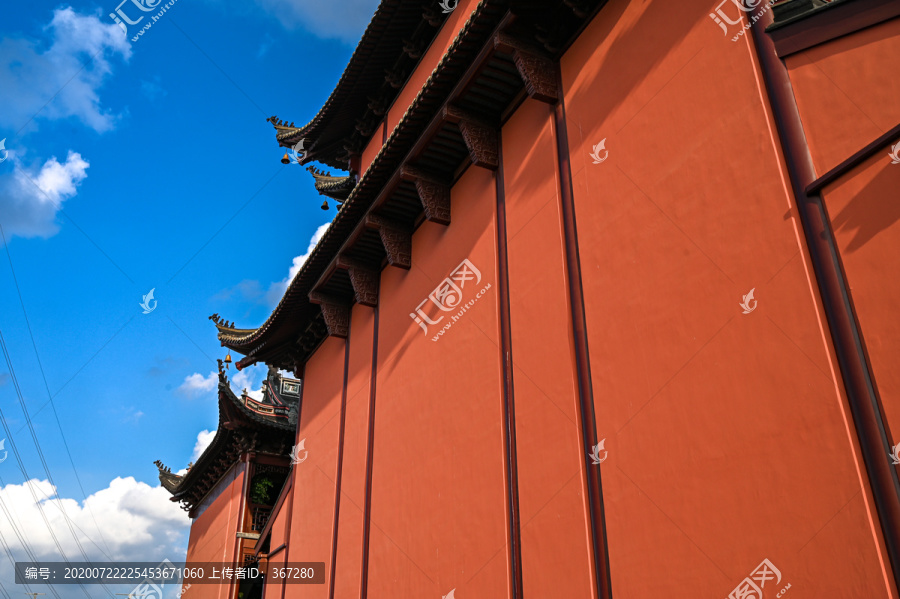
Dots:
pixel 434 54
pixel 372 148
pixel 845 91
pixel 348 563
pixel 213 532
pixel 728 433
pixel 864 207
pixel 846 102
pixel 312 520
pixel 277 545
pixel 555 546
pixel 437 485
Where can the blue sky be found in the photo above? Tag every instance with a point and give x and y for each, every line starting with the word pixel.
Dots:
pixel 131 166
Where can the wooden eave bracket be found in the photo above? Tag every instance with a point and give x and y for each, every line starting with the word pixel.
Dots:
pixel 482 137
pixel 433 191
pixel 364 279
pixel 539 72
pixel 335 312
pixel 396 239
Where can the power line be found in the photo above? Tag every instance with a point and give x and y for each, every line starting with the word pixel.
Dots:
pixel 47 387
pixel 6 548
pixel 24 471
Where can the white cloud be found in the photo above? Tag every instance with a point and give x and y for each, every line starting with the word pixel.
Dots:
pixel 250 378
pixel 341 19
pixel 30 199
pixel 60 78
pixel 276 290
pixel 196 384
pixel 138 521
pixel 204 438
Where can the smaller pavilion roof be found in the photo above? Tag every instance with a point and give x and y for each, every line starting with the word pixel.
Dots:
pixel 245 424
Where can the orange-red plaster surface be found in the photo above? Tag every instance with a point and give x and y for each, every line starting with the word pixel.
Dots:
pixel 846 92
pixel 353 474
pixel 864 208
pixel 213 532
pixel 372 148
pixel 449 30
pixel 728 442
pixel 438 510
pixel 554 519
pixel 728 435
pixel 314 479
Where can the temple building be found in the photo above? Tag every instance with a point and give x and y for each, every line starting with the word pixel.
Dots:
pixel 607 308
pixel 234 486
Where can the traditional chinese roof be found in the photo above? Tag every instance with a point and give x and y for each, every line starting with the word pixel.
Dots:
pixel 168 480
pixel 476 83
pixel 392 44
pixel 245 424
pixel 336 188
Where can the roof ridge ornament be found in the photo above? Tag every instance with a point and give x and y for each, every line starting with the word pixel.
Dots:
pixel 282 126
pixel 221 322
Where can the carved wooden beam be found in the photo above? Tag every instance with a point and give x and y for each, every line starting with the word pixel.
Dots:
pixel 482 137
pixel 539 72
pixel 396 238
pixel 434 193
pixel 364 279
pixel 335 313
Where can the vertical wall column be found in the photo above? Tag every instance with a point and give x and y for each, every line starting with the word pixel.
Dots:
pixel 370 445
pixel 340 463
pixel 588 420
pixel 508 400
